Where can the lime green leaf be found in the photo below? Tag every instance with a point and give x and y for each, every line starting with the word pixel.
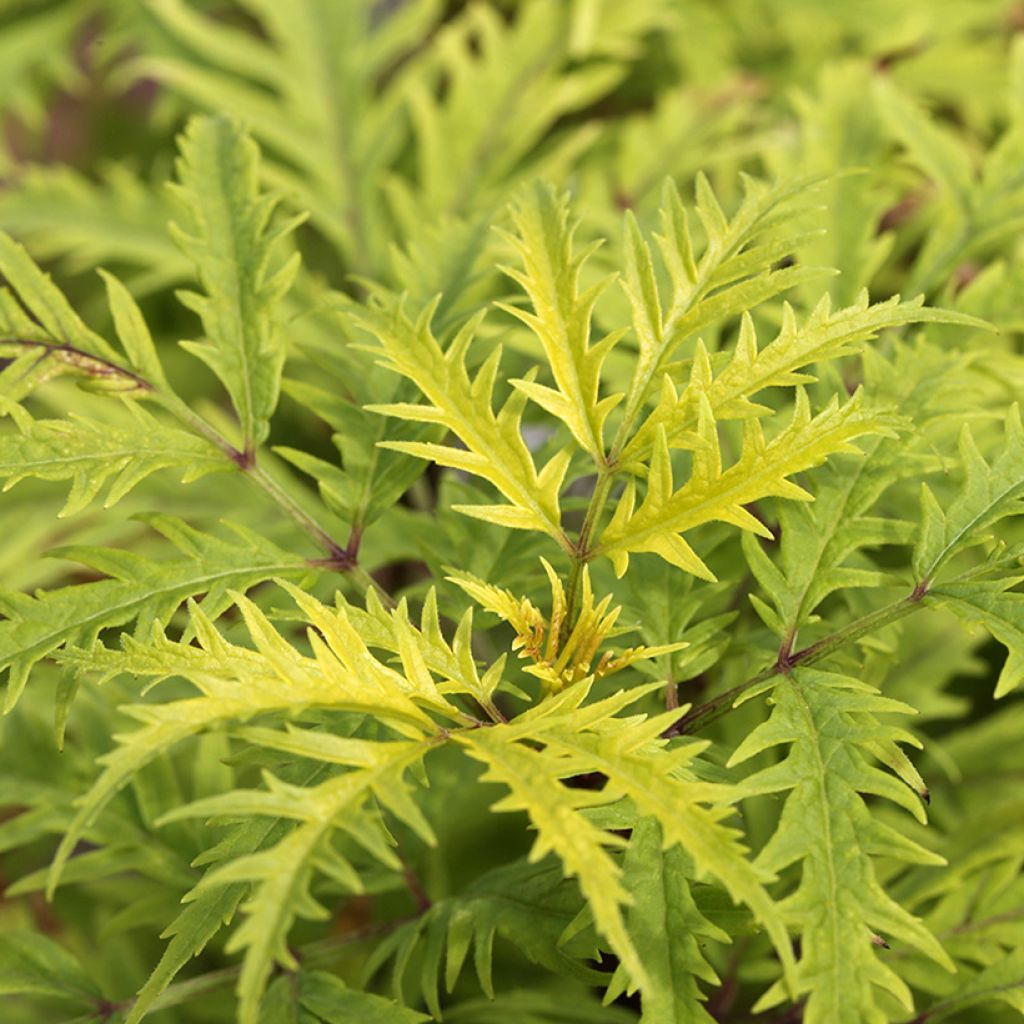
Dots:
pixel 999 610
pixel 88 223
pixel 561 317
pixel 494 446
pixel 56 322
pixel 534 785
pixel 283 872
pixel 659 880
pixel 998 982
pixel 732 275
pixel 713 494
pixel 138 589
pixel 826 334
pixel 371 478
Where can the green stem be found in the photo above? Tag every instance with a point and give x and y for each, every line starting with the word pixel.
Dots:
pixel 289 505
pixel 706 713
pixel 582 551
pixel 343 559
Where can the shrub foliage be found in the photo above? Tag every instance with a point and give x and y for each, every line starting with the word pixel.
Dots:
pixel 580 511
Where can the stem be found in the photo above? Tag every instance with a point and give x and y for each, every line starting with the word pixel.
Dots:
pixel 415 886
pixel 706 713
pixel 581 552
pixel 289 505
pixel 342 559
pixel 359 575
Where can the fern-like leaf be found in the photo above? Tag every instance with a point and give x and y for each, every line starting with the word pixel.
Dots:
pixel 832 725
pixel 630 754
pixel 51 320
pixel 713 494
pixel 138 589
pixel 989 493
pixel 826 334
pixel 663 904
pixel 312 111
pixel 561 317
pixel 281 875
pixel 534 784
pixel 494 446
pixel 225 230
pixel 730 276
pixel 118 219
pixel 238 683
pixel 1000 610
pixel 530 905
pixel 90 454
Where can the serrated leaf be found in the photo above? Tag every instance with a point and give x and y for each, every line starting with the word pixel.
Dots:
pixel 494 446
pixel 225 229
pixel 830 722
pixel 990 492
pixel 91 453
pixel 712 494
pixel 561 317
pixel 825 334
pixel 1000 610
pixel 534 785
pixel 282 873
pixel 138 590
pixel 732 275
pixel 659 880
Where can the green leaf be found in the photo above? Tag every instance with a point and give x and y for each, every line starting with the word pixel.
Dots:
pixel 90 453
pixel 712 494
pixel 529 905
pixel 999 610
pixel 86 223
pixel 282 873
pixel 631 755
pixel 990 492
pixel 494 445
pixel 831 724
pixel 826 334
pixel 1001 982
pixel 821 543
pixel 372 478
pixel 453 662
pixel 238 683
pixel 209 909
pixel 333 1002
pixel 561 317
pixel 531 1006
pixel 333 125
pixel 659 880
pixel 510 84
pixel 534 784
pixel 55 321
pixel 225 229
pixel 731 276
pixel 33 965
pixel 137 589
